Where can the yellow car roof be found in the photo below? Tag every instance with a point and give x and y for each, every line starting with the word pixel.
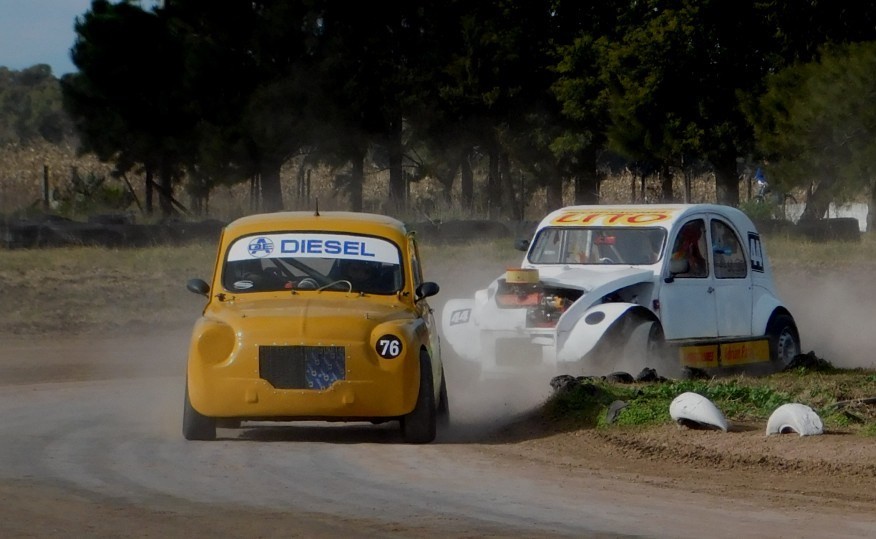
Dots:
pixel 327 221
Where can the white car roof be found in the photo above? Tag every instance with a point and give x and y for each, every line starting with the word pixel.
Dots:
pixel 634 215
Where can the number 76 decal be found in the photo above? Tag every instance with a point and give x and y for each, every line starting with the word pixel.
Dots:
pixel 389 347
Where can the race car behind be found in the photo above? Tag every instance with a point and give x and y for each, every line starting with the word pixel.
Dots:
pixel 625 287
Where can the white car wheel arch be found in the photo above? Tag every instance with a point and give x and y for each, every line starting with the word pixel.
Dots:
pixel 693 408
pixel 794 417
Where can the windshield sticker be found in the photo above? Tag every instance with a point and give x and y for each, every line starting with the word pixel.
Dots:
pixel 260 247
pixel 314 245
pixel 610 217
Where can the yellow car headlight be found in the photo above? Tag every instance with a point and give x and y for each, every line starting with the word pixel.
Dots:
pixel 216 342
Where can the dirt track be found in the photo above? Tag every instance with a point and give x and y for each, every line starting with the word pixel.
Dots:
pixel 91 446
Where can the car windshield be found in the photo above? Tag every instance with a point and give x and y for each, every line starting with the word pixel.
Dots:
pixel 598 245
pixel 313 261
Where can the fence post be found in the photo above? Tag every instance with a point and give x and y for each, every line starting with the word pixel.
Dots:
pixel 46 188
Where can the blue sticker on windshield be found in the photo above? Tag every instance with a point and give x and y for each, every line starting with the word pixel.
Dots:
pixel 301 245
pixel 260 247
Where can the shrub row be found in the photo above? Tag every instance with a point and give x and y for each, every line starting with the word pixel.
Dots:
pixel 54 231
pixel 837 229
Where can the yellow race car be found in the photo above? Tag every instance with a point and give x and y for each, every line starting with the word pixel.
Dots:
pixel 315 316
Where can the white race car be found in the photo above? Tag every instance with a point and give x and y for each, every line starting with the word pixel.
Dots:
pixel 625 287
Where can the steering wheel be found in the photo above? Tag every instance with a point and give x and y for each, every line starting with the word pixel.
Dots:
pixel 273 273
pixel 307 283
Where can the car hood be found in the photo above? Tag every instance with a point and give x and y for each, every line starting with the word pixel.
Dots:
pixel 309 318
pixel 591 279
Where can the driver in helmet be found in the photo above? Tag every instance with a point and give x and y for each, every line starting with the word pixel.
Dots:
pixel 252 276
pixel 365 276
pixel 687 247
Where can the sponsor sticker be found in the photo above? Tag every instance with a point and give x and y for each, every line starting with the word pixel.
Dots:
pixel 700 357
pixel 742 353
pixel 609 217
pixel 314 245
pixel 729 354
pixel 260 247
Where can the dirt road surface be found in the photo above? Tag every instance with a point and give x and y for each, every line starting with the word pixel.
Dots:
pixel 91 446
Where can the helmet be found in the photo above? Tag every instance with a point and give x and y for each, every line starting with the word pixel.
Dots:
pixel 359 269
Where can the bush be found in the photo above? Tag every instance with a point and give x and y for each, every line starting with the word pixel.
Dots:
pixel 758 210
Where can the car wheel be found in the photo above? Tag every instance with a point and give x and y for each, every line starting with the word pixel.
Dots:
pixel 646 347
pixel 196 426
pixel 420 426
pixel 784 340
pixel 443 404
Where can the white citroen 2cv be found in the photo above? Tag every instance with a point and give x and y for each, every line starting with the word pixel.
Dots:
pixel 627 287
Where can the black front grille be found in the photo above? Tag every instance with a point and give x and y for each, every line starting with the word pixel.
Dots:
pixel 302 367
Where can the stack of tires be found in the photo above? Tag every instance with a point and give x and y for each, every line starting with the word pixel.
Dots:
pixel 836 229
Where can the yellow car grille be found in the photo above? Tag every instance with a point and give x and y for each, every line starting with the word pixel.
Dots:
pixel 302 367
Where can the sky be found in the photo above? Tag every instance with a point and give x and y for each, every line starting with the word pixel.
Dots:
pixel 39 32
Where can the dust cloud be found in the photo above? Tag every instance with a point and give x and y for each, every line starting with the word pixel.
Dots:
pixel 834 311
pixel 480 409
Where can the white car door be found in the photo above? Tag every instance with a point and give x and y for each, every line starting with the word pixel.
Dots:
pixel 688 306
pixel 732 280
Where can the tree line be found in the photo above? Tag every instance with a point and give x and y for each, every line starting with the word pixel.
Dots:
pixel 31 107
pixel 548 88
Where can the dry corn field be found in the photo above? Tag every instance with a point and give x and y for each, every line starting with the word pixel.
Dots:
pixel 25 171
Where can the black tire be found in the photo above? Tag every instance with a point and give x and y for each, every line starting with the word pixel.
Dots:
pixel 229 423
pixel 196 426
pixel 784 340
pixel 421 425
pixel 646 345
pixel 656 342
pixel 443 404
pixel 663 356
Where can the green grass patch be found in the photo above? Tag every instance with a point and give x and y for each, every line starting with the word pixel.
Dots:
pixel 740 398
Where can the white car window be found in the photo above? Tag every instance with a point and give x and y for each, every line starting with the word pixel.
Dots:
pixel 727 249
pixel 689 249
pixel 598 245
pixel 547 248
